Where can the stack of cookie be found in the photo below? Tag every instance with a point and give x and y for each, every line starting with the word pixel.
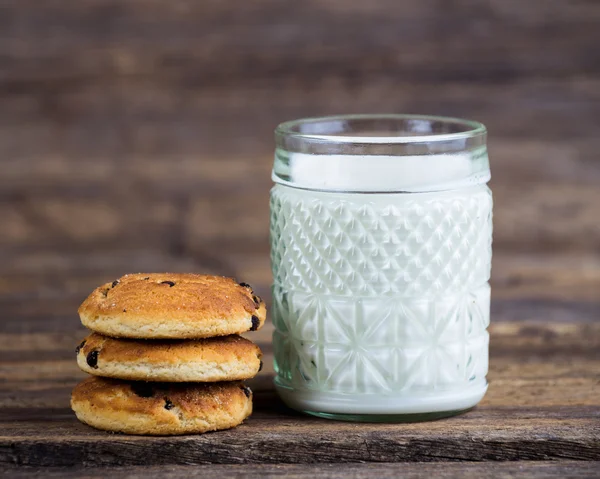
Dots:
pixel 165 355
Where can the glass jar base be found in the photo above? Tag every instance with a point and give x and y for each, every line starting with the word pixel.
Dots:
pixel 377 407
pixel 387 418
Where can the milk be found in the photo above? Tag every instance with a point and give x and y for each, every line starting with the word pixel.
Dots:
pixel 381 299
pixel 378 173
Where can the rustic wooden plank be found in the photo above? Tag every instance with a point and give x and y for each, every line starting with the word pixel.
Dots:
pixel 470 470
pixel 193 238
pixel 175 139
pixel 205 223
pixel 273 436
pixel 573 277
pixel 501 40
pixel 573 222
pixel 522 281
pixel 154 186
pixel 127 148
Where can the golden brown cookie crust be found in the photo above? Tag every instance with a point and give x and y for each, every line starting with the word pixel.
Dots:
pixel 172 306
pixel 225 358
pixel 160 408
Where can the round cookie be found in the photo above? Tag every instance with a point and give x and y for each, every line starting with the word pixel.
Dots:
pixel 160 408
pixel 172 306
pixel 225 358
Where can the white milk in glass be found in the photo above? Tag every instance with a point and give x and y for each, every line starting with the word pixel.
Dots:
pixel 381 298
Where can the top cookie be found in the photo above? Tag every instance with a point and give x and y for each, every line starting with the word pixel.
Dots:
pixel 172 306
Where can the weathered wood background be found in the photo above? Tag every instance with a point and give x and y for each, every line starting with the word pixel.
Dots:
pixel 136 135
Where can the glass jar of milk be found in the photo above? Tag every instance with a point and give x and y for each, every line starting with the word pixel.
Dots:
pixel 381 233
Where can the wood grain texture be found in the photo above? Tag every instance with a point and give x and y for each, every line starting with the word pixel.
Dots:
pixel 278 436
pixel 307 34
pixel 522 469
pixel 119 117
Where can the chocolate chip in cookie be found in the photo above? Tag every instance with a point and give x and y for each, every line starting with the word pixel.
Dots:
pixel 92 359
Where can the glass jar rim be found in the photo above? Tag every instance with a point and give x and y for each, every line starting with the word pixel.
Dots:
pixel 381 153
pixel 293 129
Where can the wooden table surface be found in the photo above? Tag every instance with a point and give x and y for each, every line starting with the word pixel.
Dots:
pixel 136 135
pixel 542 408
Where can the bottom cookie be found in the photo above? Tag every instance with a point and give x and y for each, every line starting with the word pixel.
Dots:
pixel 160 408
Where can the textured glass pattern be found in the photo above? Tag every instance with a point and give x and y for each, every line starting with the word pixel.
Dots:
pixel 381 293
pixel 407 245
